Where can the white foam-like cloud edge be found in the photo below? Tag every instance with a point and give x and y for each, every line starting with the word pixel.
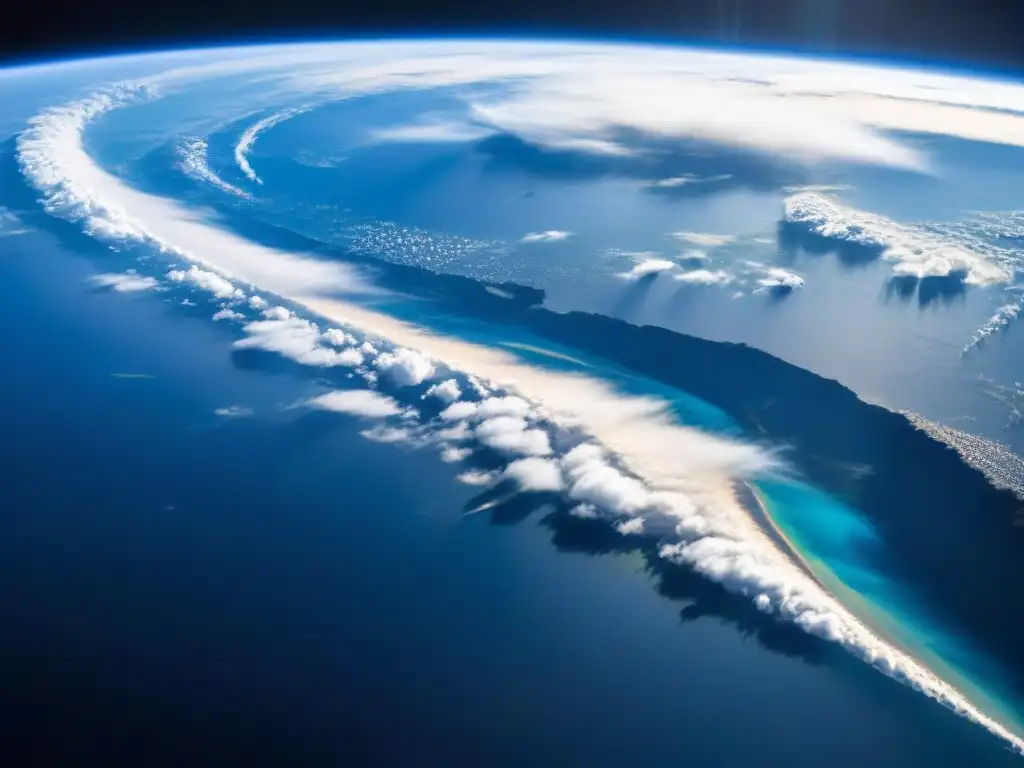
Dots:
pixel 126 282
pixel 914 251
pixel 547 236
pixel 623 456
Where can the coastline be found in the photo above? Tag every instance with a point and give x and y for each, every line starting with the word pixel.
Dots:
pixel 873 618
pixel 760 515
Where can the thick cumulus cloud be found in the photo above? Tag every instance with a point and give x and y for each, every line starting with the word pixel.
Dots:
pixel 446 391
pixel 535 474
pixel 205 280
pixel 914 251
pixel 226 313
pixel 506 405
pixel 593 481
pixel 297 339
pixel 513 435
pixel 459 411
pixel 636 467
pixel 406 367
pixel 779 279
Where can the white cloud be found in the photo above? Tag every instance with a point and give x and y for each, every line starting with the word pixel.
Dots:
pixel 452 455
pixel 476 477
pixel 406 367
pixel 234 411
pixel 548 236
pixel 633 526
pixel 577 110
pixel 499 292
pixel 298 340
pixel 206 281
pixel 593 481
pixel 913 250
pixel 227 313
pixel 585 512
pixel 359 402
pixel 250 134
pixel 649 267
pixel 257 302
pixel 535 474
pixel 431 132
pixel 339 338
pixel 277 313
pixel 446 391
pixel 457 433
pixel 128 282
pixel 778 278
pixel 1001 318
pixel 511 434
pixel 195 164
pixel 705 277
pixel 686 180
pixel 386 434
pixel 459 411
pixel 507 405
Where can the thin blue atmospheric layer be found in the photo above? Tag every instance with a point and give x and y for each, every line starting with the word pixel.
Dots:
pixel 355 183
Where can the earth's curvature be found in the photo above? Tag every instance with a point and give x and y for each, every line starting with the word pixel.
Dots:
pixel 534 260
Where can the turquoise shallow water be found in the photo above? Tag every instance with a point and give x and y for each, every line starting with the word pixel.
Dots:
pixel 844 551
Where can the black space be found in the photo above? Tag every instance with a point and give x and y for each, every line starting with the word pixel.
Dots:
pixel 981 33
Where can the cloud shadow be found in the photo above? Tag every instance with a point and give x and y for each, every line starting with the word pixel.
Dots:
pixel 673 168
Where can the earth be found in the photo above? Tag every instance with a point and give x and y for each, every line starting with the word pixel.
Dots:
pixel 744 322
